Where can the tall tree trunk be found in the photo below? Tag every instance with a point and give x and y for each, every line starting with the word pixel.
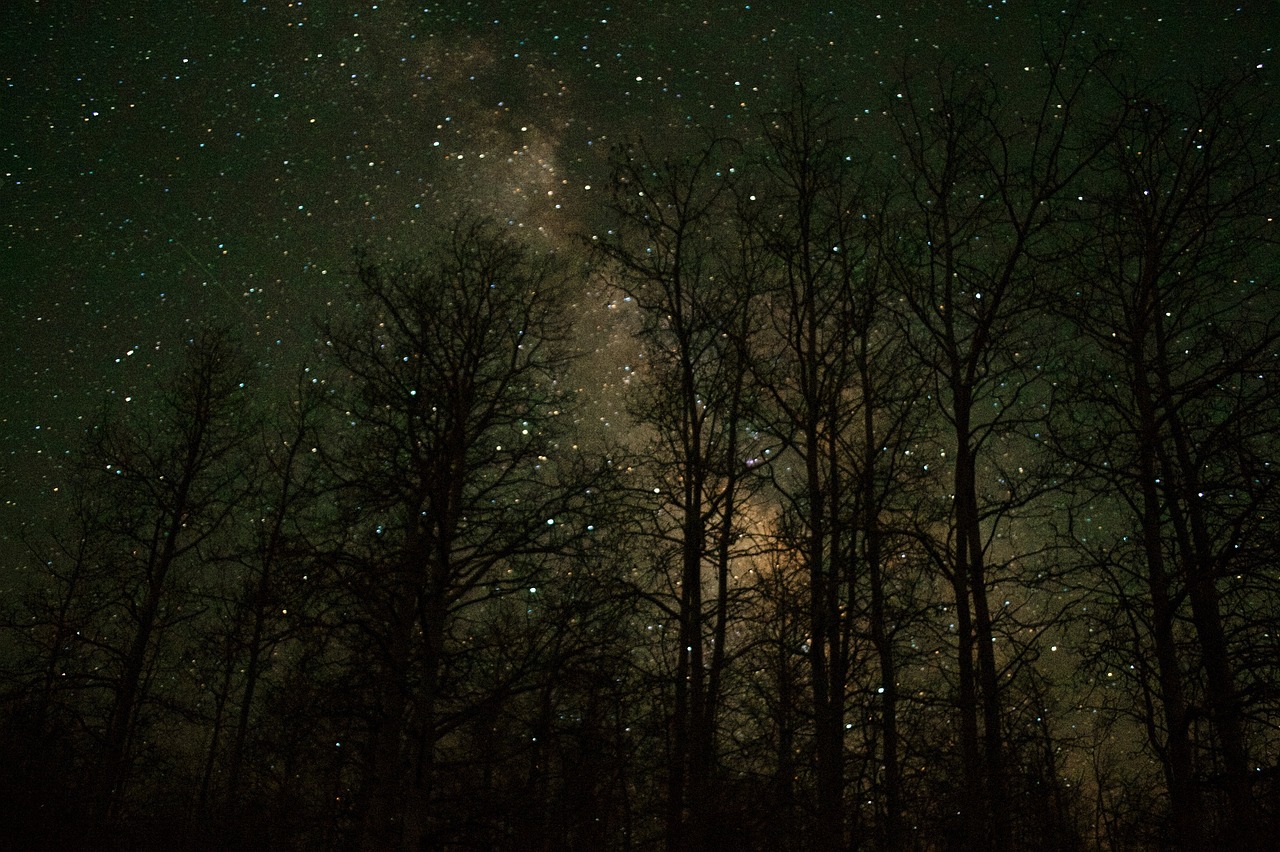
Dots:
pixel 252 673
pixel 823 640
pixel 1186 501
pixel 129 689
pixel 220 700
pixel 972 796
pixel 383 824
pixel 1183 798
pixel 881 639
pixel 982 687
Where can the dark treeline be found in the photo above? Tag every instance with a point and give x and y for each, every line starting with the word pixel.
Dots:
pixel 948 518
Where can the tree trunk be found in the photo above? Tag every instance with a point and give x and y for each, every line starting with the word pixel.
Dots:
pixel 1183 798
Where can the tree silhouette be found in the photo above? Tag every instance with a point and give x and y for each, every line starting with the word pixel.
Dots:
pixel 667 255
pixel 175 480
pixel 829 359
pixel 1174 412
pixel 946 516
pixel 982 185
pixel 455 493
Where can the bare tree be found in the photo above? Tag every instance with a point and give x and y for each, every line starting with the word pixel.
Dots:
pixel 983 173
pixel 175 478
pixel 456 493
pixel 260 601
pixel 1174 417
pixel 831 365
pixel 667 251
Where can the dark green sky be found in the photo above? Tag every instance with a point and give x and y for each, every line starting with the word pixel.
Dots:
pixel 166 165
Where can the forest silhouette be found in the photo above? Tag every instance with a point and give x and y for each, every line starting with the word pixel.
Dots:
pixel 946 519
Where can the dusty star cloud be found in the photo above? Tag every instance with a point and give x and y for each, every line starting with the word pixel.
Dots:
pixel 216 167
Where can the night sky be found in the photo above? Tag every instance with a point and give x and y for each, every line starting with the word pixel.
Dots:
pixel 169 165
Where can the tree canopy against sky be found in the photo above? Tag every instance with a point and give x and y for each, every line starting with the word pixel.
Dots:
pixel 163 170
pixel 846 329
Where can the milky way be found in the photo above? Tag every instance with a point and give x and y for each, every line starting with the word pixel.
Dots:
pixel 217 163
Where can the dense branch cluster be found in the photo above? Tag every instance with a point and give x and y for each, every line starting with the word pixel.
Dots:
pixel 948 518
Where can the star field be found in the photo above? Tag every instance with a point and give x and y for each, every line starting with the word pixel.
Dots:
pixel 216 164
